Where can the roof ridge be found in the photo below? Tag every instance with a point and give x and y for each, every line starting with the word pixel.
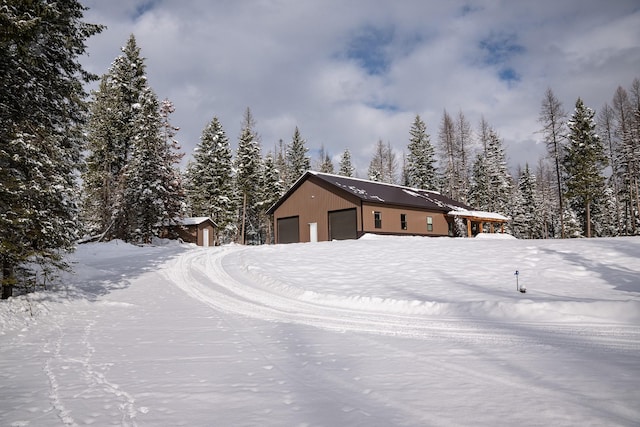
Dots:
pixel 372 182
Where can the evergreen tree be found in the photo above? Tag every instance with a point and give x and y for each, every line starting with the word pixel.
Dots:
pixel 480 194
pixel 152 194
pixel 525 223
pixel 297 160
pixel 42 109
pixel 325 165
pixel 491 188
pixel 499 177
pixel 584 162
pixel 271 190
pixel 280 163
pixel 420 163
pixel 211 187
pixel 110 139
pixel 627 131
pixel 346 168
pixel 174 198
pixel 606 126
pixel 248 172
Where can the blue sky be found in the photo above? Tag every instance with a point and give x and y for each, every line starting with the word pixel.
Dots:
pixel 351 73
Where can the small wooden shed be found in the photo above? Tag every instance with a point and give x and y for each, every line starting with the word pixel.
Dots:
pixel 199 230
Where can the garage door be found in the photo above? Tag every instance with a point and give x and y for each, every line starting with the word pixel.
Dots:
pixel 343 225
pixel 288 230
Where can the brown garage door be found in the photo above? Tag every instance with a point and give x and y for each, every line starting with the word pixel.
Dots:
pixel 343 224
pixel 288 230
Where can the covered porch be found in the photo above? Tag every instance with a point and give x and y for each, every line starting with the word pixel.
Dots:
pixel 475 221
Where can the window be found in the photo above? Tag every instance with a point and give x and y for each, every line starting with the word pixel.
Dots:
pixel 403 221
pixel 377 219
pixel 429 223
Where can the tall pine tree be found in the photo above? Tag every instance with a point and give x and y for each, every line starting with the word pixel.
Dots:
pixel 526 223
pixel 42 109
pixel 110 142
pixel 152 193
pixel 420 162
pixel 297 160
pixel 584 163
pixel 248 175
pixel 346 167
pixel 211 188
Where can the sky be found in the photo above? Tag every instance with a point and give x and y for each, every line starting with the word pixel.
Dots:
pixel 351 73
pixel 343 333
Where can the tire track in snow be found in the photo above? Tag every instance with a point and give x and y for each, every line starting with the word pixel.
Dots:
pixel 201 274
pixel 204 275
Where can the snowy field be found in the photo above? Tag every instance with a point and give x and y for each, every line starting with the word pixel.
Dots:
pixel 383 331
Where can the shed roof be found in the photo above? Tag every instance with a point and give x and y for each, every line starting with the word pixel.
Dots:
pixel 194 220
pixel 379 192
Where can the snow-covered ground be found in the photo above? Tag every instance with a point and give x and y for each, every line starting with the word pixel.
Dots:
pixel 382 331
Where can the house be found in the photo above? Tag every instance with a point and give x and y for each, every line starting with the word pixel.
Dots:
pixel 198 230
pixel 321 207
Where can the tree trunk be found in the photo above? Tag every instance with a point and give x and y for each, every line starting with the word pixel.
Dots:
pixel 7 280
pixel 244 218
pixel 588 206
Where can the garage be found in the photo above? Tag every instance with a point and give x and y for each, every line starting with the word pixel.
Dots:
pixel 343 224
pixel 289 230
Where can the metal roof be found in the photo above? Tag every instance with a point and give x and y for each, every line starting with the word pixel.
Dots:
pixel 379 192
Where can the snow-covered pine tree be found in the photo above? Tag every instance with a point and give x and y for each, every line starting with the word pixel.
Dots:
pixel 627 156
pixel 584 161
pixel 500 179
pixel 42 109
pixel 525 223
pixel 174 199
pixel 325 165
pixel 420 162
pixel 104 162
pixel 110 139
pixel 345 167
pixel 606 129
pixel 480 193
pixel 552 117
pixel 149 180
pixel 271 190
pixel 248 165
pixel 297 160
pixel 211 186
pixel 492 186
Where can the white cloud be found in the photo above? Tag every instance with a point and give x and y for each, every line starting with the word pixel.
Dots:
pixel 289 61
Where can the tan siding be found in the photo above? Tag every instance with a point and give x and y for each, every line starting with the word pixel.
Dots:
pixel 312 202
pixel 416 220
pixel 201 228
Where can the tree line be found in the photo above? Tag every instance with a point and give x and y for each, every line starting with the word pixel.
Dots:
pixel 78 167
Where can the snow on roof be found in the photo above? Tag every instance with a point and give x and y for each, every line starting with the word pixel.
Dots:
pixel 195 220
pixel 478 214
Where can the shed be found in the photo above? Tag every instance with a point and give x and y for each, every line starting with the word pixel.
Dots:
pixel 321 207
pixel 199 230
